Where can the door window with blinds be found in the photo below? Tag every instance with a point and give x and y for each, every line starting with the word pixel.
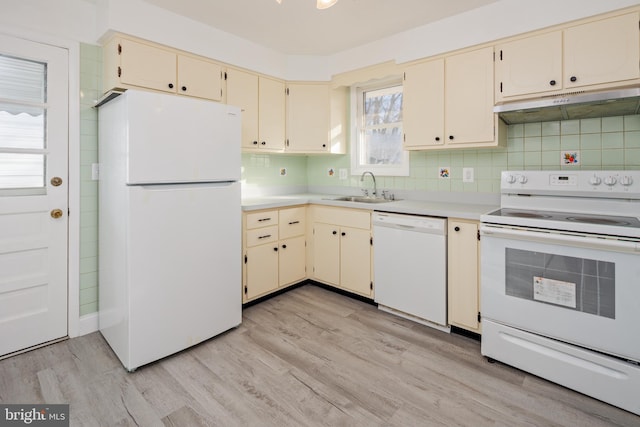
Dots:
pixel 23 117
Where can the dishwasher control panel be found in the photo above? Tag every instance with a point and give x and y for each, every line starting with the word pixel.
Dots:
pixel 418 223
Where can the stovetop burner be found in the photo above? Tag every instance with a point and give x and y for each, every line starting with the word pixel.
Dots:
pixel 607 220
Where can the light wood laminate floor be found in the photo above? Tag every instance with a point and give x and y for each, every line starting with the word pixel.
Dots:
pixel 309 357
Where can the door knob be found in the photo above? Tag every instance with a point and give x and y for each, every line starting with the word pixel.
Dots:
pixel 56 213
pixel 56 181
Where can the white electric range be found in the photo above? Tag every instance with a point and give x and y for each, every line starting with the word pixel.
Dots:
pixel 560 280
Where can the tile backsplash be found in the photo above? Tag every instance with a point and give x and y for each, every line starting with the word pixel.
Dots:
pixel 597 144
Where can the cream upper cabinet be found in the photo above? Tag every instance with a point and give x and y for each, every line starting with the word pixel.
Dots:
pixel 447 106
pixel 308 118
pixel 199 78
pixel 463 284
pixel 262 101
pixel 529 66
pixel 129 63
pixel 602 53
pixel 342 249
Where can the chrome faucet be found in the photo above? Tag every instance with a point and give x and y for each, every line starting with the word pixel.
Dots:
pixel 375 188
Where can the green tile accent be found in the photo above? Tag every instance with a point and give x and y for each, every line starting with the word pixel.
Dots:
pixel 612 140
pixel 532 129
pixel 550 128
pixel 590 126
pixel 612 124
pixel 632 139
pixel 631 123
pixel 570 127
pixel 591 141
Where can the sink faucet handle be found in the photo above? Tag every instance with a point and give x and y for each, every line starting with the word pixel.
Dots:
pixel 365 191
pixel 385 194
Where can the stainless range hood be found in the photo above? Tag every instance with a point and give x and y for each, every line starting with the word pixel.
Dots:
pixel 577 105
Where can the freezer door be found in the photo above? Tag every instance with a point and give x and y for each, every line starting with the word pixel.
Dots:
pixel 184 267
pixel 178 139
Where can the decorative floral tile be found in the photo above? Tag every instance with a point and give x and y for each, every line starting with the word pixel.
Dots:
pixel 570 157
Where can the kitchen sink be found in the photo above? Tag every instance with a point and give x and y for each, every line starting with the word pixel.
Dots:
pixel 360 199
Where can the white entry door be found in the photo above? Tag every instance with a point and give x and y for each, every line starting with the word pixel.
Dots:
pixel 33 193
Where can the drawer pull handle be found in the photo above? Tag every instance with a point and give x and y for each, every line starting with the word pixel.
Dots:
pixel 294 222
pixel 264 219
pixel 266 236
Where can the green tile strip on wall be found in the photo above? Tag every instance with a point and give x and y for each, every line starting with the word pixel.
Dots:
pixel 90 90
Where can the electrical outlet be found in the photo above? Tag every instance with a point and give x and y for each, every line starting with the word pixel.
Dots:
pixel 95 171
pixel 467 174
pixel 343 173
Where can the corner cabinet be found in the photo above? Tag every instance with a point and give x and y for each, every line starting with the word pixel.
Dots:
pixel 342 249
pixel 262 101
pixel 131 63
pixel 274 250
pixel 445 106
pixel 603 53
pixel 308 118
pixel 463 283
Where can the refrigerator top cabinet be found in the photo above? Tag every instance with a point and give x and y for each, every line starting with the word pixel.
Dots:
pixel 162 144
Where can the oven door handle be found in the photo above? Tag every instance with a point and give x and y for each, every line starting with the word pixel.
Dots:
pixel 563 238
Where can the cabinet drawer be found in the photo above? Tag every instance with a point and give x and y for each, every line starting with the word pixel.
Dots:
pixel 261 236
pixel 292 222
pixel 262 219
pixel 355 218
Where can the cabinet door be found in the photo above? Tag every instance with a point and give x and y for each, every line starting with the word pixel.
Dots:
pixel 355 260
pixel 463 274
pixel 468 106
pixel 262 270
pixel 292 261
pixel 199 78
pixel 529 66
pixel 422 104
pixel 147 66
pixel 602 51
pixel 292 222
pixel 271 116
pixel 242 91
pixel 307 117
pixel 326 253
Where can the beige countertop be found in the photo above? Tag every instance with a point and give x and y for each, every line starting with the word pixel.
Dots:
pixel 470 211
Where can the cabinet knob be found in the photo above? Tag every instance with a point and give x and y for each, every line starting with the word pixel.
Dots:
pixel 263 143
pixel 437 138
pixel 255 142
pixel 170 85
pixel 184 88
pixel 573 78
pixel 552 82
pixel 275 249
pixel 450 136
pixel 343 233
pixel 456 228
pixel 284 246
pixel 334 232
pixel 324 145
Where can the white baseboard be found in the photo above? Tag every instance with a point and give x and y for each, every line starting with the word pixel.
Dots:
pixel 88 324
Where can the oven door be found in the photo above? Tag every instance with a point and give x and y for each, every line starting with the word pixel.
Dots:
pixel 571 287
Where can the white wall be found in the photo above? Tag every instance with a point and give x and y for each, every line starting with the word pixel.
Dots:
pixel 497 20
pixel 88 20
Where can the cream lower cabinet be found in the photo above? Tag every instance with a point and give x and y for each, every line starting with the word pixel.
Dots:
pixel 342 249
pixel 463 283
pixel 274 250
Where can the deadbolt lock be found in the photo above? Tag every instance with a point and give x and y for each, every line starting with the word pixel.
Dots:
pixel 56 213
pixel 56 181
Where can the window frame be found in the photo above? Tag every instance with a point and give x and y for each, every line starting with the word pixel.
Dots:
pixel 357 130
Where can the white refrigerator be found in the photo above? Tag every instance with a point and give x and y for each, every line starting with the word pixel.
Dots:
pixel 169 223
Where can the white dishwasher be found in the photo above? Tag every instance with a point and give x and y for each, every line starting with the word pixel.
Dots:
pixel 410 267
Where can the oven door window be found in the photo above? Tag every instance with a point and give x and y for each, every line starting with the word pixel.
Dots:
pixel 586 285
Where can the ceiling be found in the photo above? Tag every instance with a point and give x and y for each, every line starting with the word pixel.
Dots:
pixel 296 27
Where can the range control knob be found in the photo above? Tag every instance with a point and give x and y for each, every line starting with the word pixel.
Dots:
pixel 522 179
pixel 510 179
pixel 626 180
pixel 610 181
pixel 595 180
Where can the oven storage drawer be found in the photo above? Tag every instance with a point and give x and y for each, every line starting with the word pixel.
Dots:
pixel 575 293
pixel 602 377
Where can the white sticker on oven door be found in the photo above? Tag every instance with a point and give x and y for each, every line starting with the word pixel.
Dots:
pixel 554 291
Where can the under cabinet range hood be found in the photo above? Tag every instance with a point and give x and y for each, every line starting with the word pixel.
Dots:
pixel 571 106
